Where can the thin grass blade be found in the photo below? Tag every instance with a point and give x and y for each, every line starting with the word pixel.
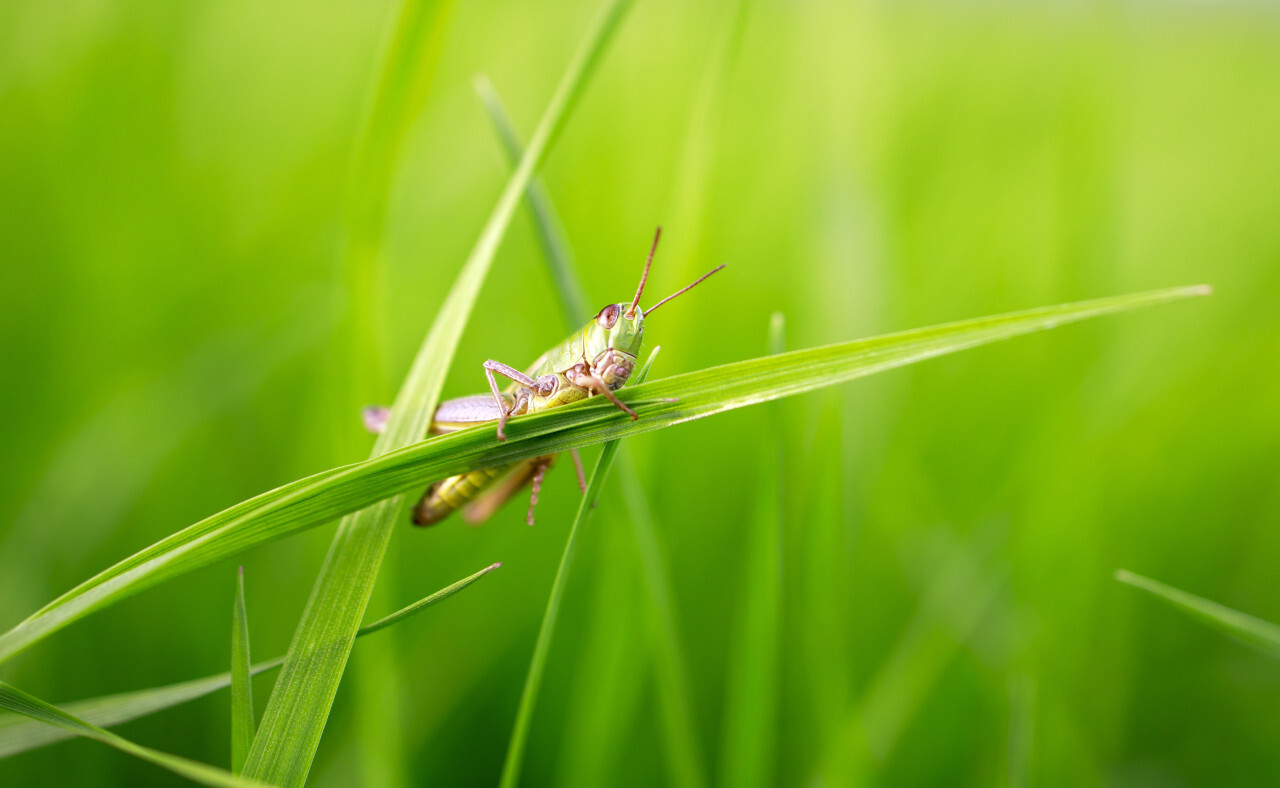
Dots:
pixel 242 722
pixel 748 756
pixel 29 705
pixel 546 221
pixel 1262 635
pixel 320 498
pixel 679 733
pixel 538 664
pixel 19 734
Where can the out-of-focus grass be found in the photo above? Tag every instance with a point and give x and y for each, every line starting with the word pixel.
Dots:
pixel 170 179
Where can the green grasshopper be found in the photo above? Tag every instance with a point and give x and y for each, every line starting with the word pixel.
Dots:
pixel 597 360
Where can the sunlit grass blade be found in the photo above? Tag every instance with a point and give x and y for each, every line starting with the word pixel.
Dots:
pixel 28 705
pixel 538 663
pixel 748 757
pixel 1260 634
pixel 242 722
pixel 299 705
pixel 320 498
pixel 680 734
pixel 19 734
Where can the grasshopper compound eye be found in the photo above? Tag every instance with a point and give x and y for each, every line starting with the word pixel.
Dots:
pixel 608 316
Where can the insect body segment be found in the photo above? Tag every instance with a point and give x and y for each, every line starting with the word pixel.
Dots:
pixel 596 360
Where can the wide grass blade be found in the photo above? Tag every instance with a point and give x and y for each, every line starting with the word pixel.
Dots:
pixel 320 498
pixel 680 734
pixel 538 664
pixel 748 756
pixel 242 722
pixel 299 706
pixel 19 734
pixel 29 705
pixel 1260 634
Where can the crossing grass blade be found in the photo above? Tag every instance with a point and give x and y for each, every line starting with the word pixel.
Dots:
pixel 29 705
pixel 538 664
pixel 678 728
pixel 663 403
pixel 19 734
pixel 1262 635
pixel 299 705
pixel 242 723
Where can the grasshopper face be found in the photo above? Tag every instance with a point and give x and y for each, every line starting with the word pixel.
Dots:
pixel 613 342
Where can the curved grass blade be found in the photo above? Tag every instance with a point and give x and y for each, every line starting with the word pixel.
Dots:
pixel 680 734
pixel 242 723
pixel 18 734
pixel 693 395
pixel 538 664
pixel 29 705
pixel 299 705
pixel 1262 635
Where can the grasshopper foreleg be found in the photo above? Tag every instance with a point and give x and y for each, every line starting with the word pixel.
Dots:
pixel 511 373
pixel 595 382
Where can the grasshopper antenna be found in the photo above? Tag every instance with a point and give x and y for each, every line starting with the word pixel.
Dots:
pixel 685 289
pixel 644 277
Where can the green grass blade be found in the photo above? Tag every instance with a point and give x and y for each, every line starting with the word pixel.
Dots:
pixel 19 734
pixel 29 705
pixel 426 602
pixel 242 723
pixel 538 663
pixel 546 222
pixel 1260 634
pixel 679 731
pixel 748 757
pixel 299 706
pixel 320 498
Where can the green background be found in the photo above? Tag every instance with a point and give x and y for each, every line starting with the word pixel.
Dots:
pixel 175 338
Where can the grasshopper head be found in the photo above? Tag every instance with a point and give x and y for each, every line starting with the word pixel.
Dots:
pixel 613 338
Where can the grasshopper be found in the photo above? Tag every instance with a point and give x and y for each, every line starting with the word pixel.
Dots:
pixel 595 361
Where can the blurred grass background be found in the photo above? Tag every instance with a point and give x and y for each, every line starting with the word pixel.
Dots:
pixel 175 339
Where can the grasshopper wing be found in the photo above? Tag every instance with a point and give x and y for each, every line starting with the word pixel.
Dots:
pixel 456 414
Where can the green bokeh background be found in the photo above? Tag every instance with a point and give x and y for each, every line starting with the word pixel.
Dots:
pixel 175 339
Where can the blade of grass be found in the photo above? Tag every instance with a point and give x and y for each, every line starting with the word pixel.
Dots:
pixel 674 400
pixel 1262 635
pixel 29 705
pixel 751 708
pixel 299 705
pixel 679 732
pixel 538 664
pixel 18 734
pixel 546 222
pixel 242 723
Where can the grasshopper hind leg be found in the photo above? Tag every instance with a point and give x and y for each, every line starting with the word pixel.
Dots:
pixel 489 501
